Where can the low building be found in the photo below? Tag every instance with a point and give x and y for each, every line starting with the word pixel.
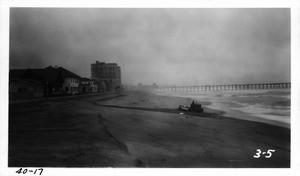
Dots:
pixel 84 86
pixel 94 86
pixel 25 89
pixel 87 85
pixel 45 82
pixel 60 81
pixel 101 86
pixel 25 84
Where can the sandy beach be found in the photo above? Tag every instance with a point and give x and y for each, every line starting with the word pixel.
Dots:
pixel 138 129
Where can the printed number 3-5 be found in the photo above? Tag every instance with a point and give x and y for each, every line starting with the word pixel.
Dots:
pixel 269 152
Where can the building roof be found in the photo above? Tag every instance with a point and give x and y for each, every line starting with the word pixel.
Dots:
pixel 23 74
pixel 85 79
pixel 103 63
pixel 48 74
pixel 66 73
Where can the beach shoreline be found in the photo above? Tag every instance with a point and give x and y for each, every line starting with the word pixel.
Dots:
pixel 138 130
pixel 233 109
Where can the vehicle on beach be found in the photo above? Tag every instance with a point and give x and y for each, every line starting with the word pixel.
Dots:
pixel 194 107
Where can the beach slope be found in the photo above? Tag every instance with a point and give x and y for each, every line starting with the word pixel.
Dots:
pixel 138 130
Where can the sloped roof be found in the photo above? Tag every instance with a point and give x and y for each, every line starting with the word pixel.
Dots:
pixel 67 74
pixel 48 74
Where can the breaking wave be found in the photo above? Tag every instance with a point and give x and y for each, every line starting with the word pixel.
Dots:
pixel 260 105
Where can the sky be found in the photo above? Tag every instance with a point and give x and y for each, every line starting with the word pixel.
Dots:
pixel 162 46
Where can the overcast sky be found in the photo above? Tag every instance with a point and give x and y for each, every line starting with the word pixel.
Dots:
pixel 165 46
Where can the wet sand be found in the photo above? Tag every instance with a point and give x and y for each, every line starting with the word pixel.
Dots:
pixel 235 109
pixel 138 130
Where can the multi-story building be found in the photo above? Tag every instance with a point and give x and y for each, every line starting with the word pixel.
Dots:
pixel 109 73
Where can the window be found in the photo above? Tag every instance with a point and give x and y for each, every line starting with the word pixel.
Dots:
pixel 22 89
pixel 67 89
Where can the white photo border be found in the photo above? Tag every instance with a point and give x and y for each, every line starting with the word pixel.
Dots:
pixel 5 6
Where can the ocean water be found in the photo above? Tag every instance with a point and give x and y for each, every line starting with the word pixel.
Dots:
pixel 267 106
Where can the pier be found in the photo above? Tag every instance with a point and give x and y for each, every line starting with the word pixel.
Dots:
pixel 234 87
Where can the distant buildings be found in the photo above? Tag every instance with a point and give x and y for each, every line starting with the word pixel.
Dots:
pixel 90 86
pixel 108 74
pixel 34 83
pixel 52 81
pixel 148 88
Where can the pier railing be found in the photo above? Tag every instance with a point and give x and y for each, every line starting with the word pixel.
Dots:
pixel 223 87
